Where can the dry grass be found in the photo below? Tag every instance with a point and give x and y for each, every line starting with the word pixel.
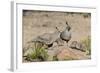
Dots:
pixel 87 43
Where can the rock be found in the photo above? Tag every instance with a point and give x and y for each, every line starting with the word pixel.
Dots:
pixel 60 42
pixel 53 51
pixel 65 53
pixel 78 46
pixel 47 38
pixel 29 48
pixel 71 54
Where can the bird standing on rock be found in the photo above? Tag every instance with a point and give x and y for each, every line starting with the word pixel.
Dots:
pixel 66 34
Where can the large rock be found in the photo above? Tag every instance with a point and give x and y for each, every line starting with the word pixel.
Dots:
pixel 71 54
pixel 47 38
pixel 66 53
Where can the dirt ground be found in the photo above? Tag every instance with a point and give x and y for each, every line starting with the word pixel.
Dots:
pixel 36 23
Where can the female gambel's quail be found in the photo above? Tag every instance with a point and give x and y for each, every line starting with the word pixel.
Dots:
pixel 66 34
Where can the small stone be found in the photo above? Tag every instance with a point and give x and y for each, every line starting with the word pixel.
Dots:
pixel 78 46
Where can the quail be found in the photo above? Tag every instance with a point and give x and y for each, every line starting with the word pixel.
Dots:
pixel 66 34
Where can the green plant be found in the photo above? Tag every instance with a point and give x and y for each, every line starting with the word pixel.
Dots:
pixel 87 43
pixel 55 58
pixel 38 54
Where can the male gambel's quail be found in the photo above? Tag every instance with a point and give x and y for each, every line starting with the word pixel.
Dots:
pixel 66 34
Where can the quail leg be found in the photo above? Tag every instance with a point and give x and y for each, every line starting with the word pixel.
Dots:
pixel 67 43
